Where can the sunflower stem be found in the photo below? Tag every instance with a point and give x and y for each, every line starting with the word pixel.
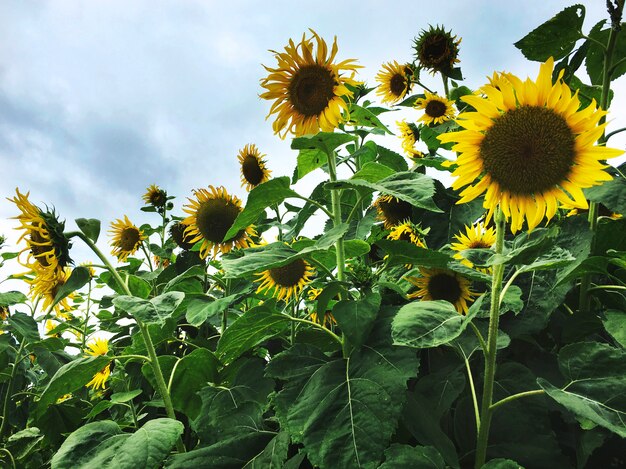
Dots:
pixel 473 391
pixel 154 362
pixel 446 88
pixel 536 392
pixel 9 386
pixel 491 352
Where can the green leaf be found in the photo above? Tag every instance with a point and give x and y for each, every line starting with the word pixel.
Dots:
pixel 90 227
pixel 425 324
pixel 615 324
pixel 150 445
pixel 262 196
pixel 154 311
pixel 364 117
pixel 414 188
pixel 12 298
pixel 595 54
pixel 99 408
pixel 611 194
pixel 250 329
pixel 80 276
pixel 202 307
pixel 391 159
pixel 325 141
pixel 70 377
pixel 403 456
pixel 25 326
pixel 556 37
pixel 273 456
pixel 373 172
pixel 308 161
pixel 121 397
pixel 596 375
pixel 356 318
pixel 500 463
pixel 402 252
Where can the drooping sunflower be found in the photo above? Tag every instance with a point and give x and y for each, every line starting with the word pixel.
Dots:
pixel 409 133
pixel 211 214
pixel 327 320
pixel 126 238
pixel 395 81
pixel 308 88
pixel 407 231
pixel 44 288
pixel 392 211
pixel 287 281
pixel 441 284
pixel 177 232
pixel 99 346
pixel 437 49
pixel 437 109
pixel 476 236
pixel 528 147
pixel 155 196
pixel 47 246
pixel 253 169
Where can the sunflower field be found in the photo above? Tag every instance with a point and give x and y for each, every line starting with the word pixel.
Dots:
pixel 480 325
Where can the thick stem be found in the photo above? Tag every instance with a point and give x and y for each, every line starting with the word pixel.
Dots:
pixel 5 406
pixel 491 352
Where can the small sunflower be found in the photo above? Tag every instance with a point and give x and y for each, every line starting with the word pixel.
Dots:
pixel 4 312
pixel 308 89
pixel 392 211
pixel 43 233
pixel 407 231
pixel 211 214
pixel 475 237
pixel 440 284
pixel 50 326
pixel 177 232
pixel 45 288
pixel 253 169
pixel 287 281
pixel 437 109
pixel 155 196
pixel 528 148
pixel 126 238
pixel 328 320
pixel 395 82
pixel 437 50
pixel 409 133
pixel 99 347
pixel 100 378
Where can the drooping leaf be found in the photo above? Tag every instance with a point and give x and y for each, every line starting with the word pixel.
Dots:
pixel 611 194
pixel 202 307
pixel 500 463
pixel 595 53
pixel 12 298
pixel 402 252
pixel 80 276
pixel 615 324
pixel 366 118
pixel 356 317
pixel 25 326
pixel 90 227
pixel 403 456
pixel 325 141
pixel 273 456
pixel 373 172
pixel 154 311
pixel 309 160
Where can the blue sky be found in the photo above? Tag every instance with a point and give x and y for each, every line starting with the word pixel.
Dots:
pixel 100 99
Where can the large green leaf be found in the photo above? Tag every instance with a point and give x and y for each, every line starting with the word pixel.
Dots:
pixel 500 463
pixel 273 456
pixel 202 307
pixel 324 141
pixel 402 252
pixel 595 54
pixel 80 276
pixel 404 456
pixel 615 324
pixel 356 318
pixel 102 444
pixel 154 311
pixel 25 326
pixel 373 172
pixel 309 160
pixel 611 194
pixel 364 117
pixel 252 328
pixel 596 375
pixel 12 298
pixel 425 324
pixel 556 37
pixel 90 227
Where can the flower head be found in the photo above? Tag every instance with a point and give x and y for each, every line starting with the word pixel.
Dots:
pixel 253 169
pixel 392 211
pixel 437 49
pixel 407 231
pixel 437 109
pixel 126 238
pixel 528 147
pixel 155 196
pixel 177 232
pixel 44 289
pixel 440 284
pixel 286 281
pixel 327 320
pixel 308 88
pixel 475 237
pixel 409 133
pixel 99 347
pixel 211 214
pixel 395 81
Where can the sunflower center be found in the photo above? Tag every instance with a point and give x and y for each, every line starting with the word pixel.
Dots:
pixel 215 217
pixel 397 84
pixel 479 244
pixel 435 108
pixel 395 211
pixel 289 275
pixel 37 249
pixel 158 198
pixel 252 170
pixel 435 50
pixel 444 287
pixel 129 239
pixel 528 150
pixel 310 89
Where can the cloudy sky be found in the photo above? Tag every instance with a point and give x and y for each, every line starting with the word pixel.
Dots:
pixel 99 99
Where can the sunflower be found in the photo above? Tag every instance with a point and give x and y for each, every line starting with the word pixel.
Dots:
pixel 253 169
pixel 436 49
pixel 177 232
pixel 328 320
pixel 50 326
pixel 532 146
pixel 308 89
pixel 441 284
pixel 99 347
pixel 211 214
pixel 395 81
pixel 475 237
pixel 155 196
pixel 437 109
pixel 4 312
pixel 287 281
pixel 44 288
pixel 407 231
pixel 43 232
pixel 392 211
pixel 126 238
pixel 409 133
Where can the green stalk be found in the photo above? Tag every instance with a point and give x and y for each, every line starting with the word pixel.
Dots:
pixel 584 303
pixel 5 406
pixel 490 353
pixel 154 362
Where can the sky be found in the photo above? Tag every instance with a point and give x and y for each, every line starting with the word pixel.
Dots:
pixel 99 99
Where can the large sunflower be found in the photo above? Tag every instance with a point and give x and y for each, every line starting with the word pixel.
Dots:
pixel 99 347
pixel 409 133
pixel 441 284
pixel 287 281
pixel 308 89
pixel 48 248
pixel 395 81
pixel 155 196
pixel 126 238
pixel 392 211
pixel 437 109
pixel 253 169
pixel 44 288
pixel 475 237
pixel 177 232
pixel 528 147
pixel 437 49
pixel 211 214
